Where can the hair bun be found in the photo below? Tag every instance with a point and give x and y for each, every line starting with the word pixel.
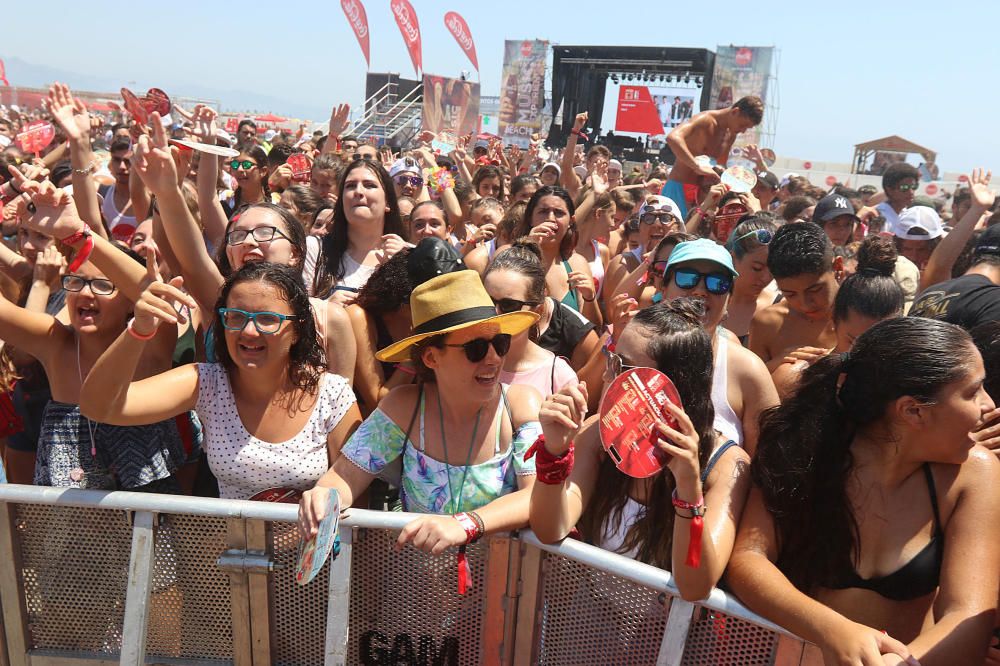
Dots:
pixel 877 257
pixel 525 243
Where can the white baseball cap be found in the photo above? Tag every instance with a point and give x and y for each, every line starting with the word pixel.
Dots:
pixel 615 164
pixel 919 223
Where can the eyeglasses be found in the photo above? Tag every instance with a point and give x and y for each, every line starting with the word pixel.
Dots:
pixel 260 234
pixel 715 283
pixel 653 218
pixel 266 323
pixel 475 350
pixel 412 181
pixel 616 364
pixel 658 268
pixel 246 165
pixel 763 236
pixel 907 188
pixel 506 305
pixel 98 286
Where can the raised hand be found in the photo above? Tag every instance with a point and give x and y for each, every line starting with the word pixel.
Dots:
pixel 158 300
pixel 623 309
pixel 979 188
pixel 340 120
pixel 582 283
pixel 51 211
pixel 153 160
pixel 49 265
pixel 203 118
pixel 561 416
pixel 599 178
pixel 580 121
pixel 69 113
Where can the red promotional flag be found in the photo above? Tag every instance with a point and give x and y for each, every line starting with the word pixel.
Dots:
pixel 637 112
pixel 3 75
pixel 460 31
pixel 358 18
pixel 406 19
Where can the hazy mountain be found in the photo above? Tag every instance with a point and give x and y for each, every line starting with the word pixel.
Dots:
pixel 22 73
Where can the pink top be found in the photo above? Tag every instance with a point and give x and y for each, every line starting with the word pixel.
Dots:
pixel 547 378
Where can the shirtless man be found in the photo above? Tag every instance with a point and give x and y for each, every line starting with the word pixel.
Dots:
pixel 800 257
pixel 709 133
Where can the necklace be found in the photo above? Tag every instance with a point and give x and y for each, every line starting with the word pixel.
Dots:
pixel 468 459
pixel 77 474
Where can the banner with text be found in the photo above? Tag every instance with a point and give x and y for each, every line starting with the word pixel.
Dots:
pixel 451 106
pixel 409 28
pixel 741 71
pixel 522 90
pixel 358 18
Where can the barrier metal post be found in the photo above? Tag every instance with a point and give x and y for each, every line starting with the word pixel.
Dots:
pixel 140 583
pixel 15 612
pixel 495 582
pixel 676 632
pixel 259 543
pixel 338 615
pixel 239 589
pixel 529 584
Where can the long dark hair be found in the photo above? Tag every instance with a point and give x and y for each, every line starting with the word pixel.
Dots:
pixel 804 459
pixel 568 243
pixel 335 241
pixel 257 153
pixel 306 358
pixel 488 171
pixel 293 229
pixel 871 291
pixel 389 286
pixel 683 351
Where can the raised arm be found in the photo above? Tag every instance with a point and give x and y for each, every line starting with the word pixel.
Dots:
pixel 155 165
pixel 567 177
pixel 213 217
pixel 72 117
pixel 340 120
pixel 946 253
pixel 109 395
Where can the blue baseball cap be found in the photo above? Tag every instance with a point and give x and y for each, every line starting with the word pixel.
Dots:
pixel 702 249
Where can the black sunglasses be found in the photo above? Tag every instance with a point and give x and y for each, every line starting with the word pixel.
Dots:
pixel 475 350
pixel 506 305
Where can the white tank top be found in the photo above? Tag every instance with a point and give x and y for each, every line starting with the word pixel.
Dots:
pixel 121 226
pixel 614 534
pixel 597 267
pixel 726 420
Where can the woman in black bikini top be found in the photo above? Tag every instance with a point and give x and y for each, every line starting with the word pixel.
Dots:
pixel 873 529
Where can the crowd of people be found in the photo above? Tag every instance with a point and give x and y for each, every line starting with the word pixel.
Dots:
pixel 232 326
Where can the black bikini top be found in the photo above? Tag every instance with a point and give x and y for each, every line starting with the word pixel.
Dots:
pixel 916 578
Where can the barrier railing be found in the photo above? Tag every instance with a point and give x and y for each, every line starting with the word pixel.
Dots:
pixel 92 577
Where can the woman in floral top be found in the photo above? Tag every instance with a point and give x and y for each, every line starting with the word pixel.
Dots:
pixel 461 434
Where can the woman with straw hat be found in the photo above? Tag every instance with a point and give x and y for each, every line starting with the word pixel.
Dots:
pixel 460 433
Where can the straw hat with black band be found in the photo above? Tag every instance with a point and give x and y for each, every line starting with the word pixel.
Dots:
pixel 450 303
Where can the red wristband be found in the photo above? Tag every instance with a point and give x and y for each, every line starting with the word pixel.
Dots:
pixel 82 255
pixel 471 527
pixel 697 526
pixel 135 334
pixel 550 469
pixel 580 134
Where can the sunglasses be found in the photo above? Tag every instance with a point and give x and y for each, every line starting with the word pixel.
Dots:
pixel 764 237
pixel 412 181
pixel 246 165
pixel 907 188
pixel 658 268
pixel 260 234
pixel 266 323
pixel 616 364
pixel 475 350
pixel 715 283
pixel 653 218
pixel 98 286
pixel 507 305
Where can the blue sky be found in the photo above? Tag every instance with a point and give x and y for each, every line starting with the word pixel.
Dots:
pixel 850 71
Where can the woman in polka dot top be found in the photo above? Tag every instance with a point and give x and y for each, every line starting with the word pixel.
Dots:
pixel 272 415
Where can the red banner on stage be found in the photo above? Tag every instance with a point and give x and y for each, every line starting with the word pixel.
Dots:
pixel 358 18
pixel 409 27
pixel 637 112
pixel 460 31
pixel 3 74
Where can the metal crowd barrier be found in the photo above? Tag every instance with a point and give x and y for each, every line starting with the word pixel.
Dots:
pixel 98 578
